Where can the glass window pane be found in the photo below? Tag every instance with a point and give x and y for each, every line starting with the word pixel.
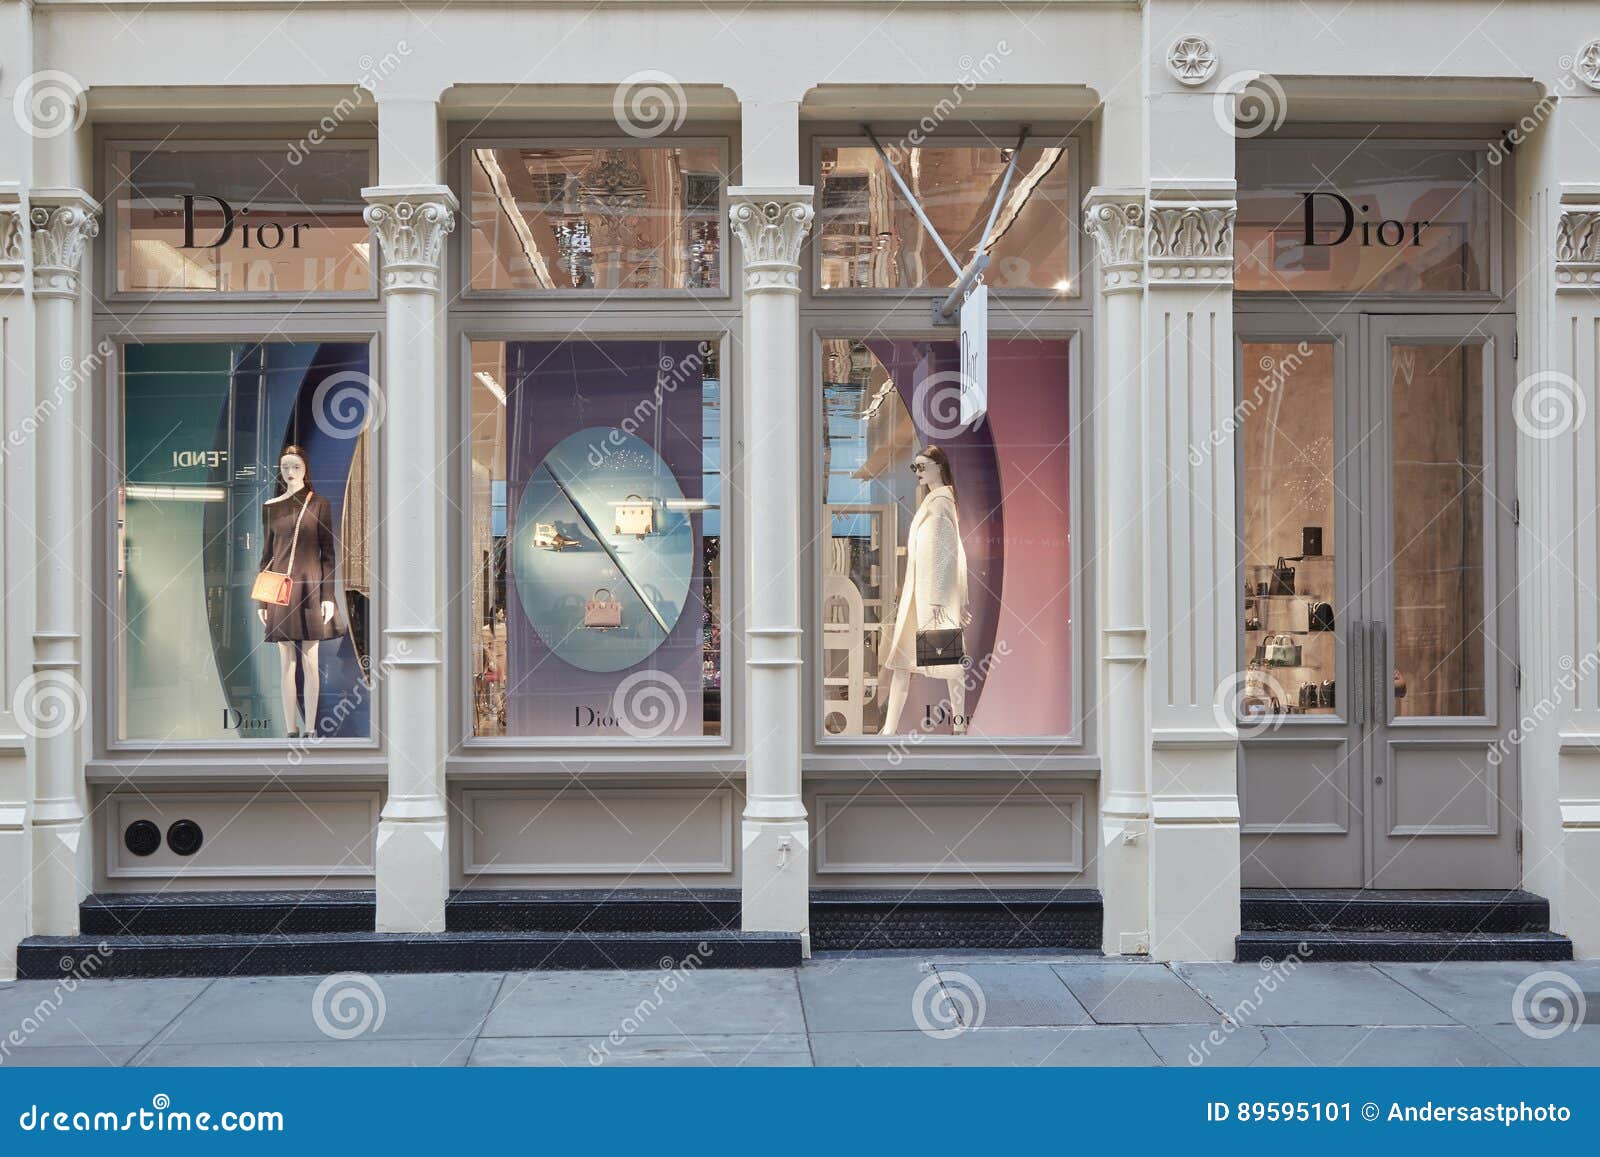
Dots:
pixel 597 217
pixel 596 561
pixel 1437 423
pixel 241 220
pixel 974 558
pixel 1285 424
pixel 868 237
pixel 244 458
pixel 1362 215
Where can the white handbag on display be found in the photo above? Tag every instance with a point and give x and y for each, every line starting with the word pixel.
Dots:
pixel 1282 651
pixel 636 515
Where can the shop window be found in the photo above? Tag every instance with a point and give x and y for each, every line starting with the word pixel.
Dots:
pixel 1359 215
pixel 205 219
pixel 596 217
pixel 596 553
pixel 244 573
pixel 947 549
pixel 869 238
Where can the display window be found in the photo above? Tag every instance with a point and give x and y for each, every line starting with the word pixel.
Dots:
pixel 243 541
pixel 947 552
pixel 868 237
pixel 614 216
pixel 1363 216
pixel 596 540
pixel 209 219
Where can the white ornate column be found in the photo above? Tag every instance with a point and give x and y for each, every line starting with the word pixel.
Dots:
pixel 16 856
pixel 772 223
pixel 1115 218
pixel 413 867
pixel 1193 606
pixel 1557 411
pixel 51 704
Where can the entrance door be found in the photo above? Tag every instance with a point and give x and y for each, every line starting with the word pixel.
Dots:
pixel 1378 622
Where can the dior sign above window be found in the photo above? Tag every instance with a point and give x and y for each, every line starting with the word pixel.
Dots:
pixel 212 219
pixel 1363 215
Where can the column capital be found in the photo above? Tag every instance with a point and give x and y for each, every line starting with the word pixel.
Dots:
pixel 1114 217
pixel 62 222
pixel 13 217
pixel 1190 234
pixel 772 223
pixel 411 222
pixel 1578 240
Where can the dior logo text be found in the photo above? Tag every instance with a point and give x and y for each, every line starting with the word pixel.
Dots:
pixel 935 714
pixel 235 720
pixel 1388 234
pixel 268 236
pixel 589 717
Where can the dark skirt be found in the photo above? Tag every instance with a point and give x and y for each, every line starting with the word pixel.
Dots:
pixel 302 618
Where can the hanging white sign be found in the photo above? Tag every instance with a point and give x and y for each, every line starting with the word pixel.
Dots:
pixel 975 355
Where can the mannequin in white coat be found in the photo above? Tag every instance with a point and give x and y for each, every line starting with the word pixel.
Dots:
pixel 933 595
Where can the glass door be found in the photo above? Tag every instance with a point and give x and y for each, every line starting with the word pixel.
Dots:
pixel 1377 620
pixel 1301 781
pixel 1441 638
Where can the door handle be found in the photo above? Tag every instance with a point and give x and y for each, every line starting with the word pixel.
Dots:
pixel 1378 646
pixel 1358 673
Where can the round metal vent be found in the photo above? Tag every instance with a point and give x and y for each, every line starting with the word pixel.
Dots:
pixel 142 838
pixel 185 837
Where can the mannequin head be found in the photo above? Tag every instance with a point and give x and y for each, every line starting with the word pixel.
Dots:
pixel 932 468
pixel 294 470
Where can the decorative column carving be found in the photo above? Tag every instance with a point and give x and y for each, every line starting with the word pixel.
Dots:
pixel 12 233
pixel 1192 602
pixel 771 224
pixel 54 707
pixel 1578 249
pixel 1115 218
pixel 413 867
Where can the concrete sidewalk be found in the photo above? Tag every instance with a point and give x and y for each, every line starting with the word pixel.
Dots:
pixel 934 1008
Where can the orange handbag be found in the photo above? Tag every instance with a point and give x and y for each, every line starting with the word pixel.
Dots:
pixel 272 586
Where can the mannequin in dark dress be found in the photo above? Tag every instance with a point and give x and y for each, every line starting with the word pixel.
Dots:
pixel 308 618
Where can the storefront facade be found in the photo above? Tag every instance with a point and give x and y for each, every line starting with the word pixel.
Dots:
pixel 581 367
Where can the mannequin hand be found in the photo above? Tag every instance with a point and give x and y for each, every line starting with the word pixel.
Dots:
pixel 261 613
pixel 327 613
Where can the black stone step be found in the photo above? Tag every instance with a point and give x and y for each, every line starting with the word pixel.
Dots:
pixel 593 909
pixel 1392 910
pixel 235 911
pixel 108 957
pixel 1397 947
pixel 468 910
pixel 856 920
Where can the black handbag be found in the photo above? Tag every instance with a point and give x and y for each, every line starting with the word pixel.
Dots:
pixel 1282 578
pixel 940 647
pixel 1320 616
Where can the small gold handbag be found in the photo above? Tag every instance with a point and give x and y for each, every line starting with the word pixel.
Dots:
pixel 272 586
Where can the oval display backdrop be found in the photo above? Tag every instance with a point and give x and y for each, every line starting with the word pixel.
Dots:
pixel 602 550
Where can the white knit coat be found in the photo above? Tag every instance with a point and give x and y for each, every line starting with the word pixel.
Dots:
pixel 936 576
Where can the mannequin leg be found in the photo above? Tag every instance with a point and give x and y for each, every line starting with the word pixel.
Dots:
pixel 310 664
pixel 288 662
pixel 957 685
pixel 899 688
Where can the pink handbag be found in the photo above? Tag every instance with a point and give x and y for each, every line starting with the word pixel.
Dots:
pixel 602 612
